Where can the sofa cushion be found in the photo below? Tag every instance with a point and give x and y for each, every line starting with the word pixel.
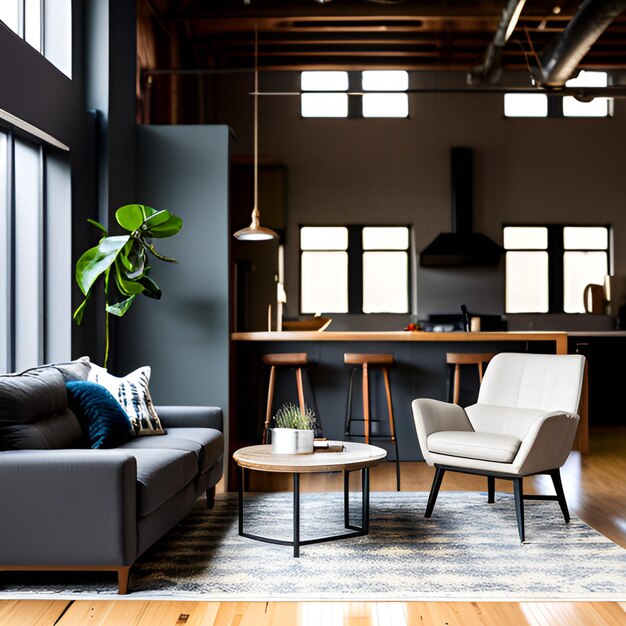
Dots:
pixel 206 443
pixel 473 445
pixel 132 392
pixel 50 433
pixel 103 420
pixel 160 475
pixel 31 396
pixel 34 412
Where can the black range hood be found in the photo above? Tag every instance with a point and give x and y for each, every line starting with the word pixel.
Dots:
pixel 461 247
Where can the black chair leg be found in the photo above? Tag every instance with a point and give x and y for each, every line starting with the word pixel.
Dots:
pixel 518 488
pixel 434 491
pixel 491 489
pixel 560 495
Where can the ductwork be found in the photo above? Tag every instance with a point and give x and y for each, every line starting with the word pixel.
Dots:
pixel 490 69
pixel 462 246
pixel 558 62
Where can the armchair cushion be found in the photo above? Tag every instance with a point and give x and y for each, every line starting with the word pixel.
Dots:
pixel 503 420
pixel 474 445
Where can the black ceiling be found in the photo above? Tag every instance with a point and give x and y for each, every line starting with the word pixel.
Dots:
pixel 361 34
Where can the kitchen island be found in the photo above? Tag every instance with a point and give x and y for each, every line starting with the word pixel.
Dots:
pixel 420 371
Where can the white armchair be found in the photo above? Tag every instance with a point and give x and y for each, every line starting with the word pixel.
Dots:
pixel 523 423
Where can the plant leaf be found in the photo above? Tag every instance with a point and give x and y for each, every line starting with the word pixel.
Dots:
pixel 97 260
pixel 132 216
pixel 98 225
pixel 126 286
pixel 119 308
pixel 152 289
pixel 157 218
pixel 166 229
pixel 80 311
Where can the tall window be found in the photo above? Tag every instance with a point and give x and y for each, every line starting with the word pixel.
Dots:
pixel 46 26
pixel 354 269
pixel 542 105
pixel 547 267
pixel 35 254
pixel 377 94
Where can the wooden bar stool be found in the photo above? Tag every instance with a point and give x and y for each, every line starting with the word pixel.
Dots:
pixel 368 361
pixel 465 358
pixel 296 361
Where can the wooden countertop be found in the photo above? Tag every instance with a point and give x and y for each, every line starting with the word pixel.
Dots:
pixel 399 336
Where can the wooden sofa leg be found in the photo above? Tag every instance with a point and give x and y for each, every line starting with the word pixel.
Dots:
pixel 210 497
pixel 123 574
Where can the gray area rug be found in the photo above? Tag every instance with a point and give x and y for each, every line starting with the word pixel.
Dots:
pixel 467 550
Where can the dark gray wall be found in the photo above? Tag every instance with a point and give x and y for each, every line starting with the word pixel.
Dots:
pixel 398 171
pixel 184 336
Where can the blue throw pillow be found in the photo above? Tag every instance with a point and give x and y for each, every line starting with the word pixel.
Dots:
pixel 103 419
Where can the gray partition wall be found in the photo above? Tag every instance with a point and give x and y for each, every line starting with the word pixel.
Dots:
pixel 183 336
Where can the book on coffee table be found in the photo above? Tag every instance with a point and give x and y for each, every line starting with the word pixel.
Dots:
pixel 328 446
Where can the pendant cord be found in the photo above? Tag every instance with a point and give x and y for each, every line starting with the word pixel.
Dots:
pixel 256 119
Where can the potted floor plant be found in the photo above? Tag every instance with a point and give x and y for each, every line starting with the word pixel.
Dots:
pixel 293 430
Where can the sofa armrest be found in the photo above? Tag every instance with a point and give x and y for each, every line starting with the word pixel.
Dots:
pixel 191 417
pixel 68 507
pixel 432 416
pixel 547 443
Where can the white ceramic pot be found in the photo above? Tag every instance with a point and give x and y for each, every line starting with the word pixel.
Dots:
pixel 292 441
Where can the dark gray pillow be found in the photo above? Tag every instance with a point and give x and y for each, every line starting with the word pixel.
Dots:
pixel 34 411
pixel 74 370
pixel 50 433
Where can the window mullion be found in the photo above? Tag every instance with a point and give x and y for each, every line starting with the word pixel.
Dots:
pixel 355 269
pixel 555 269
pixel 355 103
pixel 12 254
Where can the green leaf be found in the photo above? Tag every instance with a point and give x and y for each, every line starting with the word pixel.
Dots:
pixel 126 286
pixel 119 308
pixel 152 289
pixel 154 220
pixel 95 261
pixel 98 225
pixel 132 216
pixel 166 229
pixel 80 311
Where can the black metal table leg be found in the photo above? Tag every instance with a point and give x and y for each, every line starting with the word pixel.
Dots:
pixel 241 482
pixel 296 514
pixel 365 495
pixel 297 542
pixel 346 498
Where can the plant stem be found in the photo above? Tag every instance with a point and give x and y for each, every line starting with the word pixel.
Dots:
pixel 106 317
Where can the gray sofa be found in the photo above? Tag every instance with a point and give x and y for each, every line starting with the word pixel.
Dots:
pixel 68 507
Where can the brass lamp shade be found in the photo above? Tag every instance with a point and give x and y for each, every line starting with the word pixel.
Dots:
pixel 255 232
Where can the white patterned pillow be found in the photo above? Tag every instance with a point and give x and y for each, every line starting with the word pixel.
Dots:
pixel 132 393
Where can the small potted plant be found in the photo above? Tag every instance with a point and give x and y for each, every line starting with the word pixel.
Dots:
pixel 293 430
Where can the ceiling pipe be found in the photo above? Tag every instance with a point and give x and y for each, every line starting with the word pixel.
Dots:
pixel 558 62
pixel 490 70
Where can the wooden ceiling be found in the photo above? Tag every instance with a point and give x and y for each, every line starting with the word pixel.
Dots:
pixel 366 34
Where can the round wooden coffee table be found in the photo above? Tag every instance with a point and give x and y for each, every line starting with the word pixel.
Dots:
pixel 356 456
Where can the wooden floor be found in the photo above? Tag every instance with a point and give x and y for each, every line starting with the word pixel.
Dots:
pixel 595 486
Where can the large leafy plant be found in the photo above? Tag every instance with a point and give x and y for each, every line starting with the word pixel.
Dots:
pixel 125 259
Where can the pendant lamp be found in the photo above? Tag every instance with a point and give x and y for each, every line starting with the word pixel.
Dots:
pixel 256 232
